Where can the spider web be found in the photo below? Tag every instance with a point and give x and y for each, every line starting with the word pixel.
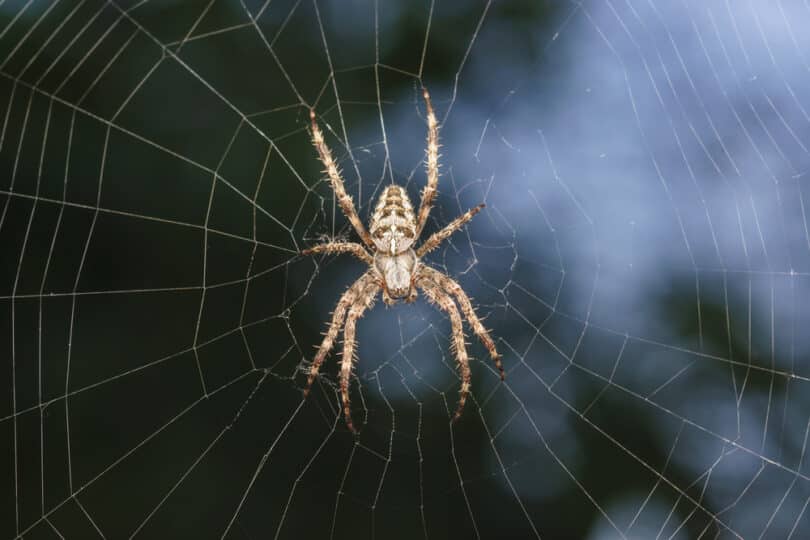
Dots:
pixel 643 264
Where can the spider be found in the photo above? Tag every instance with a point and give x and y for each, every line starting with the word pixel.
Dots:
pixel 396 268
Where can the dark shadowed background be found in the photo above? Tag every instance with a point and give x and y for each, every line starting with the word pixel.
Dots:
pixel 643 263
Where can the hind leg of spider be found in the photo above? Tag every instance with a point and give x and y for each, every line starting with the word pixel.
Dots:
pixel 348 299
pixel 449 285
pixel 432 164
pixel 436 295
pixel 343 198
pixel 364 301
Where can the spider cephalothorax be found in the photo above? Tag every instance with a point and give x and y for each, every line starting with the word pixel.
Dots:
pixel 396 268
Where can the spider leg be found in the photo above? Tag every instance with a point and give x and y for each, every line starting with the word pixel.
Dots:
pixel 363 302
pixel 451 286
pixel 440 236
pixel 348 299
pixel 435 294
pixel 341 247
pixel 429 193
pixel 386 296
pixel 343 198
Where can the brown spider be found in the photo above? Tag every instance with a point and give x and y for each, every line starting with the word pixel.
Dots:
pixel 396 268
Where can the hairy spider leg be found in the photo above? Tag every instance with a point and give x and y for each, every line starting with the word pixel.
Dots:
pixel 341 247
pixel 364 301
pixel 346 300
pixel 343 198
pixel 438 297
pixel 440 236
pixel 432 164
pixel 450 286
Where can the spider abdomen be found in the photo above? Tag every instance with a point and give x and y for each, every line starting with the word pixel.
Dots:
pixel 393 224
pixel 396 271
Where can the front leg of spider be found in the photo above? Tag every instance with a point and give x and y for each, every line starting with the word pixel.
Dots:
pixel 395 267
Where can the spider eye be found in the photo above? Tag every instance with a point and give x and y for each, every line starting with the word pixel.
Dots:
pixel 406 231
pixel 378 234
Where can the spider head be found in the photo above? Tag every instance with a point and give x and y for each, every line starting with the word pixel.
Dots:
pixel 393 225
pixel 397 274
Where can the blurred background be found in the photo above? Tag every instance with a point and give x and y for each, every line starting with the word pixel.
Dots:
pixel 643 264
